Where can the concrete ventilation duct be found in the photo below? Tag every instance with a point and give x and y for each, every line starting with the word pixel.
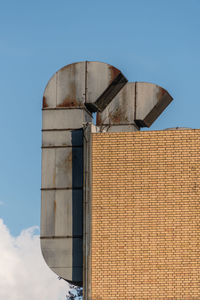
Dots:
pixel 71 96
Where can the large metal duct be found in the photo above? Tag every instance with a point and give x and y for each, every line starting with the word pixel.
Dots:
pixel 70 98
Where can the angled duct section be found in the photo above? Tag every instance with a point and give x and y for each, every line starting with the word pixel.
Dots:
pixel 150 101
pixel 138 104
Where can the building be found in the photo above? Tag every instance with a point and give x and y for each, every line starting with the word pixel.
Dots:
pixel 119 206
pixel 145 215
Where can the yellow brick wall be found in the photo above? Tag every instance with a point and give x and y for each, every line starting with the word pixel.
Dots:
pixel 146 215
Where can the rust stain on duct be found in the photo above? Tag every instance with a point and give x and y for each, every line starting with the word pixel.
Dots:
pixel 44 105
pixel 67 163
pixel 71 98
pixel 117 113
pixel 68 159
pixel 113 73
pixel 161 93
pixel 163 99
pixel 64 165
pixel 118 116
pixel 69 102
pixel 98 119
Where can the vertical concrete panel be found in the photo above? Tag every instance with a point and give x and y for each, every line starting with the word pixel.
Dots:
pixel 68 213
pixel 61 138
pixel 48 209
pixel 48 168
pixel 69 167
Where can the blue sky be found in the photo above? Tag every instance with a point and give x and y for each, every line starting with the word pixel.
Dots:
pixel 156 41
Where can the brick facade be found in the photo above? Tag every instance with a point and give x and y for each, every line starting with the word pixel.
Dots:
pixel 145 215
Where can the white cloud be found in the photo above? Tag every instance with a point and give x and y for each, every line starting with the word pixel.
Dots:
pixel 24 274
